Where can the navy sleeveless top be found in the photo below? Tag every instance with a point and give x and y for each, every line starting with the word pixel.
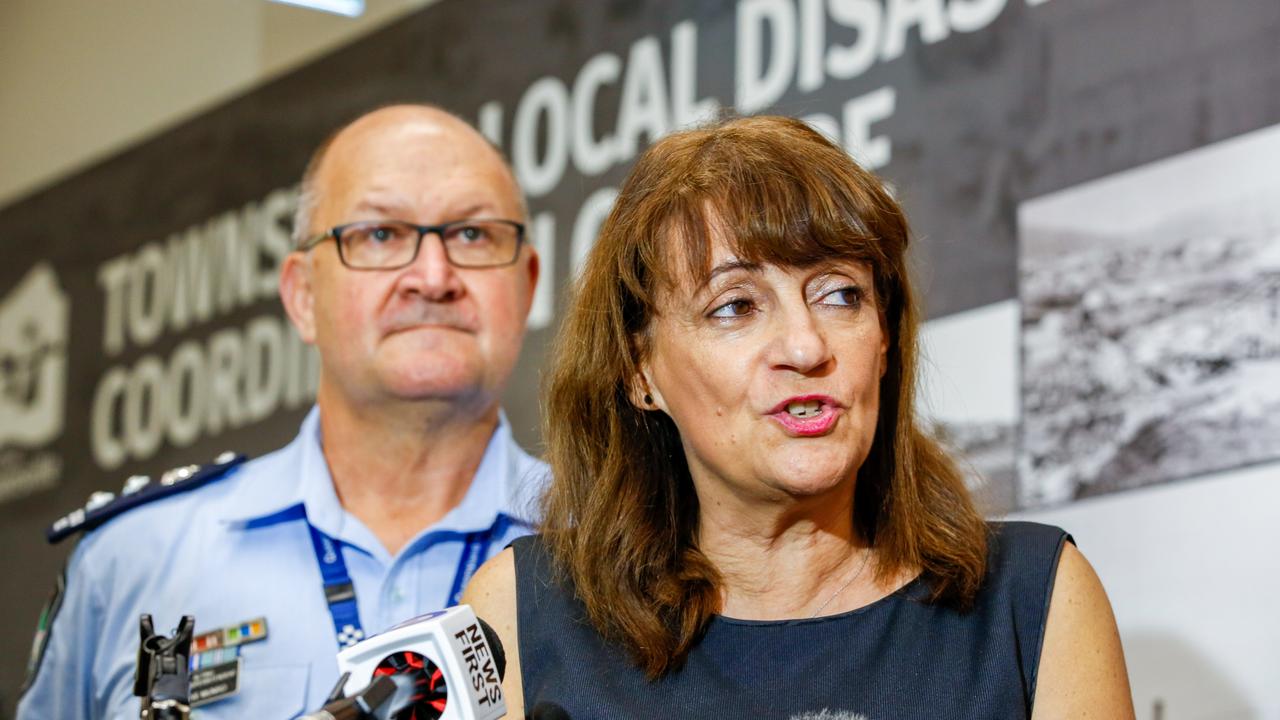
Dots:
pixel 899 657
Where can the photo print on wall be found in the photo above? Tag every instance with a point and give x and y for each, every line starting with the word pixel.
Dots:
pixel 1150 344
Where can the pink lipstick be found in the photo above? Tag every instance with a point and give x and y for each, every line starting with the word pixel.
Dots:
pixel 806 415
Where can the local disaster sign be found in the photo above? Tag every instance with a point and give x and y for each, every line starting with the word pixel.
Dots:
pixel 180 341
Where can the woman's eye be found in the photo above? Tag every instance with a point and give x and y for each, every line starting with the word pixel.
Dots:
pixel 850 296
pixel 733 308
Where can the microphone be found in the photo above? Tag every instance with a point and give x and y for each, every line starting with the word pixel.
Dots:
pixel 379 700
pixel 451 662
pixel 161 676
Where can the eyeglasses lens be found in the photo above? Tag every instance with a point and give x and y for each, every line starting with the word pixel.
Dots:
pixel 392 244
pixel 481 243
pixel 378 245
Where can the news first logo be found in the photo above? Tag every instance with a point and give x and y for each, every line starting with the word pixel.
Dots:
pixel 34 318
pixel 481 669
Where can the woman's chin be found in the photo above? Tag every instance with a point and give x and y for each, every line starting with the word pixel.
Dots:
pixel 810 478
pixel 814 489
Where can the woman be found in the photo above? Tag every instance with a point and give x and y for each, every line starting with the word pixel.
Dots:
pixel 745 518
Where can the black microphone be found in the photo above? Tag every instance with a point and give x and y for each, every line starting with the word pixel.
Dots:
pixel 495 647
pixel 162 675
pixel 379 700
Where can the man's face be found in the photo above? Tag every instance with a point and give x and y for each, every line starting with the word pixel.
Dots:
pixel 429 330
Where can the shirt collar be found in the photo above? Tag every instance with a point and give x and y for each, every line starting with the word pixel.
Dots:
pixel 493 487
pixel 276 481
pixel 297 477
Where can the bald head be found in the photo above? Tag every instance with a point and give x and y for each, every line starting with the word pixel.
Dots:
pixel 382 137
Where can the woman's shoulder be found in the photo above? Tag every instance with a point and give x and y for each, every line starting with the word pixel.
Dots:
pixel 539 583
pixel 527 544
pixel 1026 531
pixel 1022 562
pixel 531 558
pixel 494 581
pixel 1022 545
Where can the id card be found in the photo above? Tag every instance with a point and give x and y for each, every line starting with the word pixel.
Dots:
pixel 215 683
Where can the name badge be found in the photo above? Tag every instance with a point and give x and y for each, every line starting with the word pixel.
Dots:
pixel 215 683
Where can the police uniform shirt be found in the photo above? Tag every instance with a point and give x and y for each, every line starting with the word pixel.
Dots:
pixel 240 548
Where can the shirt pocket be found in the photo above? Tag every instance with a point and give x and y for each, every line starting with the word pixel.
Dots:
pixel 274 692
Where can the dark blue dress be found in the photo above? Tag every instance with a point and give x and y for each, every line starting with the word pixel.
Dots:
pixel 899 657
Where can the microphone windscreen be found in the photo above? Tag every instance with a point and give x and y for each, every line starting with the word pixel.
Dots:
pixel 495 647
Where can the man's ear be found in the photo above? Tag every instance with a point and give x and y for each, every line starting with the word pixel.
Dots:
pixel 296 294
pixel 533 267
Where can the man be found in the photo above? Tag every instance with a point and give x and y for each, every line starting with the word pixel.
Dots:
pixel 412 279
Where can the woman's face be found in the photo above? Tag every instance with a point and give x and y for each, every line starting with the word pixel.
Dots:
pixel 772 375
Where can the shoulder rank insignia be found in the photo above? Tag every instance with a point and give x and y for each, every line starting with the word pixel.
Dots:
pixel 139 490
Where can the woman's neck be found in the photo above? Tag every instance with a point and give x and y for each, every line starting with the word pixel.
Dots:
pixel 788 561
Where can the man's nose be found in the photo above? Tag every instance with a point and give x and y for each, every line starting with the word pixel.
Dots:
pixel 431 274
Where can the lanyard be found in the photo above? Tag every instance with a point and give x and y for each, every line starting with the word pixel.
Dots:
pixel 474 552
pixel 340 592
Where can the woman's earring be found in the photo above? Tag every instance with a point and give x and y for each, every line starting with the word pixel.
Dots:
pixel 648 399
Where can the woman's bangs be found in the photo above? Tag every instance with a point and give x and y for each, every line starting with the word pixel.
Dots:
pixel 770 220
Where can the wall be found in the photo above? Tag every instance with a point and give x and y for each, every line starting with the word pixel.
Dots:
pixel 80 80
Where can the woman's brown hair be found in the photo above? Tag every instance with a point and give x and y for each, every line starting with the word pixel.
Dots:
pixel 621 516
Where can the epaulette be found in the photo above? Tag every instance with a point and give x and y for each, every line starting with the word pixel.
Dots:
pixel 139 490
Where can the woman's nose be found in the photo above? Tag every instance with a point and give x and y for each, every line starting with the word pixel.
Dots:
pixel 800 343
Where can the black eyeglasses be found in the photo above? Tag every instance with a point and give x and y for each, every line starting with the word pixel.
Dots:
pixel 393 244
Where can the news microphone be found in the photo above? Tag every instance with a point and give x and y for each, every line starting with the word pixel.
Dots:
pixel 453 661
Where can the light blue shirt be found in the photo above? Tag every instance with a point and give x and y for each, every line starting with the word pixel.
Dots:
pixel 239 549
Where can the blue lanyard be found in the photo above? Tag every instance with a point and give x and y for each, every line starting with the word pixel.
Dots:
pixel 474 552
pixel 340 592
